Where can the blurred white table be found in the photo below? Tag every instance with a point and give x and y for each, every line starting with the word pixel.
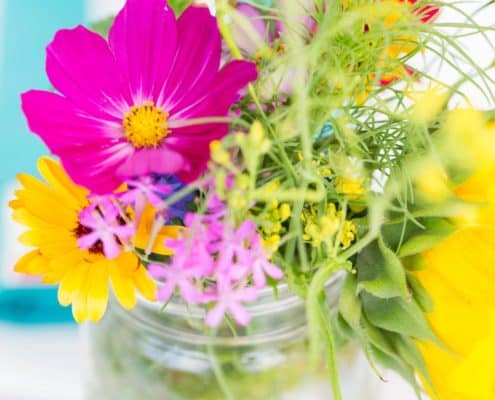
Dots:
pixel 40 363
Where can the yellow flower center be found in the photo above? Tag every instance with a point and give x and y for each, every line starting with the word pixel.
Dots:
pixel 146 125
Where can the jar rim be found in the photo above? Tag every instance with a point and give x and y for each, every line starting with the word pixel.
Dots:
pixel 169 321
pixel 269 300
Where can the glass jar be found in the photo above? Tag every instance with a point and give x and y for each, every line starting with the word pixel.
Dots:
pixel 157 353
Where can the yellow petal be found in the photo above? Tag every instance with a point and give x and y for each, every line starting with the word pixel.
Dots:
pixel 123 286
pixel 145 284
pixel 144 230
pixel 32 263
pixel 459 277
pixel 55 175
pixel 72 283
pixel 59 265
pixel 97 290
pixel 47 208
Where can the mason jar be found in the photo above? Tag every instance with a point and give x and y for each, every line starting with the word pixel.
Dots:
pixel 165 353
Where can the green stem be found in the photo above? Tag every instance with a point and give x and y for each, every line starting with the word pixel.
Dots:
pixel 319 322
pixel 219 374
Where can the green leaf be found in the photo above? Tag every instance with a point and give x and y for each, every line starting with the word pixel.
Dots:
pixel 343 332
pixel 406 371
pixel 415 263
pixel 420 294
pixel 398 315
pixel 381 272
pixel 437 230
pixel 410 353
pixel 103 26
pixel 349 304
pixel 179 5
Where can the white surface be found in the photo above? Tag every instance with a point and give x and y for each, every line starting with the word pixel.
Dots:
pixel 40 364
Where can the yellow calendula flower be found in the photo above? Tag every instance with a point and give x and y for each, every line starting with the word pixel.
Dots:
pixel 50 209
pixel 459 276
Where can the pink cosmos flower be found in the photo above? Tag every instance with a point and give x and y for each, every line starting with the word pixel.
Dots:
pixel 105 226
pixel 127 107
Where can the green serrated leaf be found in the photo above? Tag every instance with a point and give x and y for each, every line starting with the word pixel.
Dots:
pixel 381 272
pixel 437 231
pixel 398 315
pixel 349 304
pixel 420 294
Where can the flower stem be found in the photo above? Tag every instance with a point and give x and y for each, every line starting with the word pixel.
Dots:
pixel 319 322
pixel 219 375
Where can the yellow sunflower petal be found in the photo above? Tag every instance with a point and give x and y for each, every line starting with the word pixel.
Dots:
pixel 459 276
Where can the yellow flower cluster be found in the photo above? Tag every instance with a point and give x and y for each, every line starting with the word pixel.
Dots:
pixel 322 229
pixel 273 218
pixel 351 187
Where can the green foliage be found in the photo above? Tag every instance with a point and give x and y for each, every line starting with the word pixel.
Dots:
pixel 380 272
pixel 103 26
pixel 179 5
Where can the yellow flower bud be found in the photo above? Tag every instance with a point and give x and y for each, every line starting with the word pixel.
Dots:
pixel 218 153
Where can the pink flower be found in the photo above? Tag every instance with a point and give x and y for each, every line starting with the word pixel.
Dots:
pixel 229 299
pixel 189 263
pixel 144 189
pixel 105 226
pixel 126 107
pixel 141 191
pixel 261 265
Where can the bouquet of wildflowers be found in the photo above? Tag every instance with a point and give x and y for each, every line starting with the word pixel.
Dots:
pixel 211 154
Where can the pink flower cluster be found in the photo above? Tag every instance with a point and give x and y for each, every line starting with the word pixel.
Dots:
pixel 232 258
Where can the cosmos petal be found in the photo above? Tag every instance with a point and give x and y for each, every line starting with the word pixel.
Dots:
pixel 143 39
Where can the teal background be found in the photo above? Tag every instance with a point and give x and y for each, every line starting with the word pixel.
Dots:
pixel 26 28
